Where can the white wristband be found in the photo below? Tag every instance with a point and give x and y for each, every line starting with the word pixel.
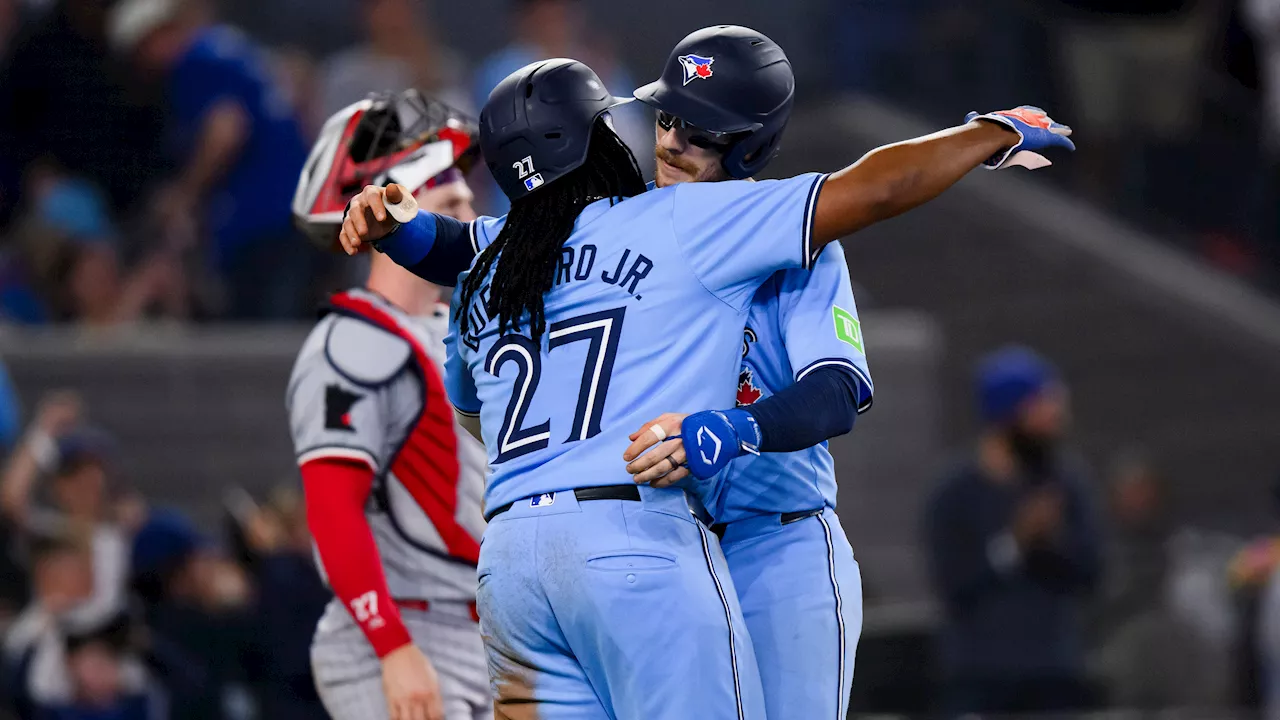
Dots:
pixel 43 448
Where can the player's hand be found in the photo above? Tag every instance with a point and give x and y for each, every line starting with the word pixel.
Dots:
pixel 226 585
pixel 409 681
pixel 664 465
pixel 715 437
pixel 264 531
pixel 367 218
pixel 1038 517
pixel 1036 132
pixel 59 411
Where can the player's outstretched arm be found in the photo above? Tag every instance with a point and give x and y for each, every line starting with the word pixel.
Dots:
pixel 893 179
pixel 367 219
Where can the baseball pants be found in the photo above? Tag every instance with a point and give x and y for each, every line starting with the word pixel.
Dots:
pixel 348 673
pixel 801 596
pixel 612 610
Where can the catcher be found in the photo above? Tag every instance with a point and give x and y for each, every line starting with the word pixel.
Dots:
pixel 393 489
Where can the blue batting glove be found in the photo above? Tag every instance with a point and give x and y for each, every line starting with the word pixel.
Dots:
pixel 1036 131
pixel 713 438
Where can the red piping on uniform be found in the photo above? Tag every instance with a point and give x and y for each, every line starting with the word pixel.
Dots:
pixel 430 470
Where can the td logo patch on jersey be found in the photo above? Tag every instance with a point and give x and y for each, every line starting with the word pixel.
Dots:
pixel 337 408
pixel 848 329
pixel 696 67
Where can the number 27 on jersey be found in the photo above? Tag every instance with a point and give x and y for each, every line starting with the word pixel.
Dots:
pixel 602 330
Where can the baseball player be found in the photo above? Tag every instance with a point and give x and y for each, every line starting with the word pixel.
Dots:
pixel 802 358
pixel 392 489
pixel 592 306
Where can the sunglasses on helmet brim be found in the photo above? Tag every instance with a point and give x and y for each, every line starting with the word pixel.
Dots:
pixel 699 138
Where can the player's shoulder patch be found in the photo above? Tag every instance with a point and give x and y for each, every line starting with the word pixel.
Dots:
pixel 364 353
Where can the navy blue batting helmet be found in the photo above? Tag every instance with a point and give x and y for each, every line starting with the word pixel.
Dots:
pixel 536 125
pixel 732 80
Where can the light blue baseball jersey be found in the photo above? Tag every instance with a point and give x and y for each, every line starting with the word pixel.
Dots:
pixel 799 321
pixel 650 299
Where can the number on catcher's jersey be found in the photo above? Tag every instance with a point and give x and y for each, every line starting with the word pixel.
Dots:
pixel 365 608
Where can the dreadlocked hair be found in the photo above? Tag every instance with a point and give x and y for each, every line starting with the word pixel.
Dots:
pixel 536 229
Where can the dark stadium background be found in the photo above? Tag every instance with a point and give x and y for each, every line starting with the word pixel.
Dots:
pixel 1146 269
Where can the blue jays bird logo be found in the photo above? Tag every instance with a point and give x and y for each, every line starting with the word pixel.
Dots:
pixel 696 66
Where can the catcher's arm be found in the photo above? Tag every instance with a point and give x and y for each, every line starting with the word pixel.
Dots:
pixel 335 491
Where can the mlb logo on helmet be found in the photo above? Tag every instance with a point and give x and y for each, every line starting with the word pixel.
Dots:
pixel 696 66
pixel 533 181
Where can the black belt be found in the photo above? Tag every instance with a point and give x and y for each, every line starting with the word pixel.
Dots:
pixel 599 492
pixel 784 519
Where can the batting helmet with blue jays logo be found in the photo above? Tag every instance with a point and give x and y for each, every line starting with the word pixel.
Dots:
pixel 733 81
pixel 537 123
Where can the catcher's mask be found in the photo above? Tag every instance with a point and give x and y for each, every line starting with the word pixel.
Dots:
pixel 406 138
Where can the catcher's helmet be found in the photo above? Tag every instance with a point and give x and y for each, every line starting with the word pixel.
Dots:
pixel 730 80
pixel 536 126
pixel 406 138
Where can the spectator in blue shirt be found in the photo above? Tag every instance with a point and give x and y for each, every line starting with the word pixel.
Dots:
pixel 241 147
pixel 1014 550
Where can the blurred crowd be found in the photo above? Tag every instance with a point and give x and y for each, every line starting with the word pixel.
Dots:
pixel 149 154
pixel 114 609
pixel 151 151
